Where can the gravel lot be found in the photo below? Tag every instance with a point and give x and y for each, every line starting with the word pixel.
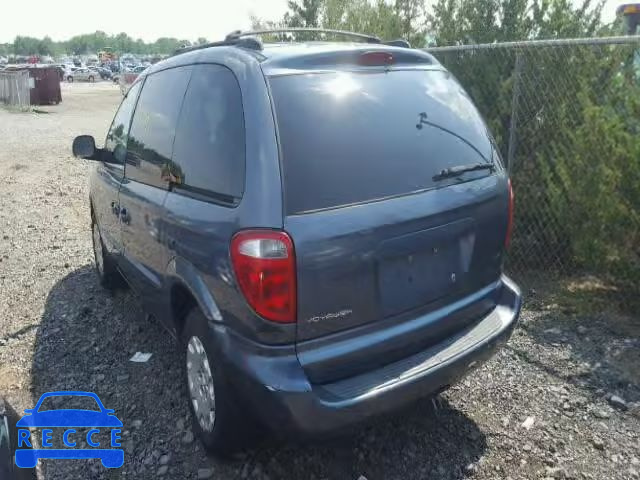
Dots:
pixel 543 407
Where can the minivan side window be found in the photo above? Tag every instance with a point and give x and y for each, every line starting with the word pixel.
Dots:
pixel 209 149
pixel 154 126
pixel 116 142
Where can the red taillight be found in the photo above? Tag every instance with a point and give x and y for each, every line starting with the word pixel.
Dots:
pixel 376 58
pixel 265 267
pixel 507 238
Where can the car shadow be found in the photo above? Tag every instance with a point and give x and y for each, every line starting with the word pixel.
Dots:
pixel 428 439
pixel 85 341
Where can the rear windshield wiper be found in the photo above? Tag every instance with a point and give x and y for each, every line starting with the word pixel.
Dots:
pixel 460 169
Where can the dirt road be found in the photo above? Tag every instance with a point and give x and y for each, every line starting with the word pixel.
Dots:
pixel 542 407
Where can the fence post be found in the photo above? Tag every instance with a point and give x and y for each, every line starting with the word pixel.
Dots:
pixel 513 124
pixel 18 92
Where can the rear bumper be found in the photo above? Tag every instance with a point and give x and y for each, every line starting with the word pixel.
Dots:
pixel 273 383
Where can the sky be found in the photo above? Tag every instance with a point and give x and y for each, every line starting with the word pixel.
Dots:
pixel 148 19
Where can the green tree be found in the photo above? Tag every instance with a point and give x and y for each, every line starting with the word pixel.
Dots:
pixel 139 47
pixel 363 16
pixel 258 24
pixel 46 47
pixel 26 45
pixel 454 22
pixel 592 183
pixel 165 45
pixel 412 17
pixel 123 43
pixel 94 43
pixel 576 166
pixel 389 20
pixel 304 13
pixel 87 43
pixel 489 76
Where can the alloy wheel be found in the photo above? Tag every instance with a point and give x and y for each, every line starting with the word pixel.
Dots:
pixel 200 380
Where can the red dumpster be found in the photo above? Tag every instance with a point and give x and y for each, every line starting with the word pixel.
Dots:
pixel 46 87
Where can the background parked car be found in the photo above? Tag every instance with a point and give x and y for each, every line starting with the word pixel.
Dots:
pixel 127 78
pixel 81 74
pixel 105 73
pixel 61 72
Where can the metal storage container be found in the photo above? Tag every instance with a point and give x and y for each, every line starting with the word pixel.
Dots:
pixel 46 85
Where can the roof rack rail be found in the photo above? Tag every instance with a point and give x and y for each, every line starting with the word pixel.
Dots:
pixel 238 34
pixel 251 43
pixel 248 39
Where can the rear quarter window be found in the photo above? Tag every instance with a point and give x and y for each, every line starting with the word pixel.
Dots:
pixel 209 149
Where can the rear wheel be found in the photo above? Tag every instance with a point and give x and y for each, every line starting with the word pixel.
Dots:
pixel 223 427
pixel 108 274
pixel 91 78
pixel 70 79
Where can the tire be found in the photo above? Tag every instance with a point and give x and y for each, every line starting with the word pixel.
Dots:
pixel 232 428
pixel 108 275
pixel 70 79
pixel 91 79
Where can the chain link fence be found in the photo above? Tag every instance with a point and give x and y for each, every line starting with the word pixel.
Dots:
pixel 566 116
pixel 15 89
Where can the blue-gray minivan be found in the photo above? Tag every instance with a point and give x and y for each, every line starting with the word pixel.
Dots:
pixel 321 225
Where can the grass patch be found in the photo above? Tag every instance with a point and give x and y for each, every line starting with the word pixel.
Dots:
pixel 587 296
pixel 14 109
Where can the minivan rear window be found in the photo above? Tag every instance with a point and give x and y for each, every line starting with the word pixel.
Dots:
pixel 354 137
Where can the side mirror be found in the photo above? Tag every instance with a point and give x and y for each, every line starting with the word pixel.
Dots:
pixel 84 146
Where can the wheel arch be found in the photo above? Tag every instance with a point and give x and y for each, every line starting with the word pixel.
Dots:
pixel 187 290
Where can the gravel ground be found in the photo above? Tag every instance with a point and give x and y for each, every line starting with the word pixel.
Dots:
pixel 561 400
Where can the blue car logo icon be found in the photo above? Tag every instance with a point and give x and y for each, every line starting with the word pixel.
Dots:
pixel 68 419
